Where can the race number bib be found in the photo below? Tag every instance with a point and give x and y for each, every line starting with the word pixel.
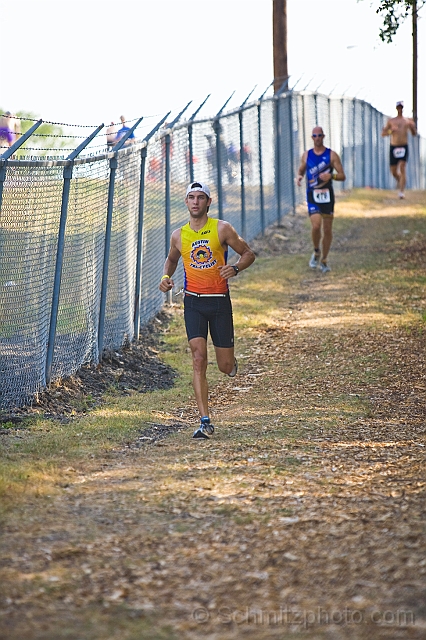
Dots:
pixel 321 196
pixel 399 153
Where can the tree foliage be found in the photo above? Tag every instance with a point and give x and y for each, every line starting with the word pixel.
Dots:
pixel 394 12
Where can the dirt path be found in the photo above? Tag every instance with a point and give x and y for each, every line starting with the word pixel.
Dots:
pixel 304 516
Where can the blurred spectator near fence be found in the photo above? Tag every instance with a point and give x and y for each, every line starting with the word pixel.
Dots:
pixel 247 158
pixel 111 135
pixel 121 132
pixel 154 169
pixel 7 134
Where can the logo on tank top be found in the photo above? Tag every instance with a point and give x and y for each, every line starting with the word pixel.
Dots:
pixel 201 255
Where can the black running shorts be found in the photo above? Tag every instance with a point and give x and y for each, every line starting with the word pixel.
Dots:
pixel 398 153
pixel 202 314
pixel 321 200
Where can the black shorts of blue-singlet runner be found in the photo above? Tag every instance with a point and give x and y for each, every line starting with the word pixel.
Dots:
pixel 397 153
pixel 210 313
pixel 321 200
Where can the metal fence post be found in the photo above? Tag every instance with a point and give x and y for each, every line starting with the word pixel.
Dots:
pixel 217 127
pixel 167 225
pixel 278 147
pixel 113 164
pixel 364 147
pixel 139 250
pixel 380 139
pixel 167 141
pixel 292 172
pixel 342 133
pixel 167 228
pixel 303 122
pixel 191 154
pixel 278 157
pixel 371 180
pixel 376 154
pixel 67 175
pixel 259 142
pixel 353 141
pixel 243 195
pixel 190 141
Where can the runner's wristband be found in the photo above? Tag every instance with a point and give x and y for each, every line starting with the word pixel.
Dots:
pixel 334 176
pixel 164 277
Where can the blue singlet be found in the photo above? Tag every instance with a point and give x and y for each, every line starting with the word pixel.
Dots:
pixel 319 200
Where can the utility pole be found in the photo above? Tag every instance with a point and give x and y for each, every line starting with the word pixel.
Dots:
pixel 414 9
pixel 279 17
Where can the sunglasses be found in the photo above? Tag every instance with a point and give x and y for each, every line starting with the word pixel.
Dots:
pixel 317 135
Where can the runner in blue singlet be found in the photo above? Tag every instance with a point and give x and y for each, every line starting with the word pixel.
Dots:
pixel 318 165
pixel 319 199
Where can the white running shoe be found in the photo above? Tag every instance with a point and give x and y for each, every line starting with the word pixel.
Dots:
pixel 234 369
pixel 401 195
pixel 314 261
pixel 205 430
pixel 325 268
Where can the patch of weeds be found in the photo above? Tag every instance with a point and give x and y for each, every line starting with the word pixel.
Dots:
pixel 279 469
pixel 7 425
pixel 225 510
pixel 244 519
pixel 292 461
pixel 84 404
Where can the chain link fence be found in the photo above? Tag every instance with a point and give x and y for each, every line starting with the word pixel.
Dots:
pixel 83 237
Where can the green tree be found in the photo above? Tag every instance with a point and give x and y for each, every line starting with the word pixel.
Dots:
pixel 394 12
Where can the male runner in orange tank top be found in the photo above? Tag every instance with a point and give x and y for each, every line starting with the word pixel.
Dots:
pixel 203 245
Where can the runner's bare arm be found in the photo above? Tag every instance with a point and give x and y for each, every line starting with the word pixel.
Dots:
pixel 229 236
pixel 171 263
pixel 302 169
pixel 412 127
pixel 336 163
pixel 387 129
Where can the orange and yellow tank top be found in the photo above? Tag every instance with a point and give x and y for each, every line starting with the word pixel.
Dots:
pixel 202 255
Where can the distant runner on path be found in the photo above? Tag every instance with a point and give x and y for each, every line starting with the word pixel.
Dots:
pixel 397 128
pixel 203 245
pixel 318 164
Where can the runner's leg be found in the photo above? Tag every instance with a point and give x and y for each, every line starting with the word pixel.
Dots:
pixel 395 173
pixel 402 175
pixel 225 359
pixel 316 220
pixel 327 236
pixel 199 379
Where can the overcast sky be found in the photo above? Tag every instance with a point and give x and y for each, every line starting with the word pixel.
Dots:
pixel 90 61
